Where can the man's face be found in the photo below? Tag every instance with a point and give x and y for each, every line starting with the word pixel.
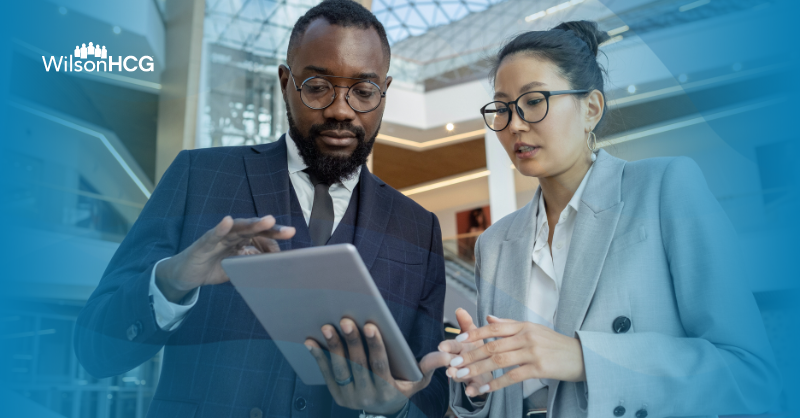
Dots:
pixel 336 140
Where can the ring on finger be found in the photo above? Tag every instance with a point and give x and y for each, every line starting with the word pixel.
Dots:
pixel 344 382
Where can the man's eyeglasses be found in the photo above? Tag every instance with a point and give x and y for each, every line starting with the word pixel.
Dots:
pixel 318 93
pixel 532 107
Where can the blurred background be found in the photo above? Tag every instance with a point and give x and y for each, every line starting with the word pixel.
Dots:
pixel 715 80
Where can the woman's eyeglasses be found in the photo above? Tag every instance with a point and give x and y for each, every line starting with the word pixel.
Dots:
pixel 532 107
pixel 318 93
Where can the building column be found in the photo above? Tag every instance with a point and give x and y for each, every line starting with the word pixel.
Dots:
pixel 502 194
pixel 180 80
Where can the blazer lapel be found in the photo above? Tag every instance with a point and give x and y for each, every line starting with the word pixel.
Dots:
pixel 600 208
pixel 515 265
pixel 374 210
pixel 268 176
pixel 598 214
pixel 511 279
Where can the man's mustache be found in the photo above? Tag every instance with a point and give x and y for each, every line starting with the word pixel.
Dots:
pixel 316 130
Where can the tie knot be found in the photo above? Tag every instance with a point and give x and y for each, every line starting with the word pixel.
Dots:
pixel 314 180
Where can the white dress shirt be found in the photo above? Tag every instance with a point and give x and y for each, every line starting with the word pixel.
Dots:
pixel 548 268
pixel 170 315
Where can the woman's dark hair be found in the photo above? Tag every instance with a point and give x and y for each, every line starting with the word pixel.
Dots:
pixel 571 46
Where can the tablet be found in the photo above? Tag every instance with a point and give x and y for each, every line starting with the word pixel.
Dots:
pixel 294 293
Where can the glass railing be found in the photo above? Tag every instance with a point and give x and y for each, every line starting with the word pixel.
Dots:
pixel 64 176
pixel 459 255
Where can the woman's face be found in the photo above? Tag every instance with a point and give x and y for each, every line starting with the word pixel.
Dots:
pixel 558 142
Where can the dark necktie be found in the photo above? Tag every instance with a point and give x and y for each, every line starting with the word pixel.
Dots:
pixel 320 225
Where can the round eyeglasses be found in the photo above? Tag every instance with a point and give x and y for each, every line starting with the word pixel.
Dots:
pixel 318 93
pixel 531 107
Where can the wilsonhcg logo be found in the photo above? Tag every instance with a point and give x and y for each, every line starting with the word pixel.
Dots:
pixel 73 63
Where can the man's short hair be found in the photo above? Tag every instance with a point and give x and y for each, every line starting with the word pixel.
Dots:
pixel 343 13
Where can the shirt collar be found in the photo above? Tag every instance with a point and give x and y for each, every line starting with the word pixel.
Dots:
pixel 296 164
pixel 574 203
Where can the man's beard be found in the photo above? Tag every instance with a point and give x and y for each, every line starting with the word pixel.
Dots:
pixel 327 168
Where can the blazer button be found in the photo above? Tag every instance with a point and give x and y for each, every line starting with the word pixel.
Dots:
pixel 256 413
pixel 300 404
pixel 642 413
pixel 619 411
pixel 621 325
pixel 134 330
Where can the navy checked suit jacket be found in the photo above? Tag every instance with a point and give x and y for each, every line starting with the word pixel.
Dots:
pixel 220 362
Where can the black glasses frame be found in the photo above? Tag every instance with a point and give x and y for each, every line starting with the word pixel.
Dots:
pixel 346 97
pixel 546 95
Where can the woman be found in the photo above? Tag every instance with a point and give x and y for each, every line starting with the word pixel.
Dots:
pixel 614 291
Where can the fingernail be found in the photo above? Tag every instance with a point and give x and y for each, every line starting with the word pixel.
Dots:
pixel 308 347
pixel 493 317
pixel 327 333
pixel 461 373
pixel 470 391
pixel 462 337
pixel 456 361
pixel 447 373
pixel 347 327
pixel 369 332
pixel 483 389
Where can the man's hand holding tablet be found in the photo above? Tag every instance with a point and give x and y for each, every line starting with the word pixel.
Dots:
pixel 364 381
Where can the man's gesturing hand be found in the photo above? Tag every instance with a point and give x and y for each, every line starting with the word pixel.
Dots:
pixel 362 381
pixel 200 263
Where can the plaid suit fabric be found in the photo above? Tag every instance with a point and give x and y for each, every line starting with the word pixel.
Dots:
pixel 221 361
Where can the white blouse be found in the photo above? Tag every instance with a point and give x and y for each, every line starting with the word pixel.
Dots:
pixel 548 268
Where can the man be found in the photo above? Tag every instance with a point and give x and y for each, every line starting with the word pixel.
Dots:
pixel 165 286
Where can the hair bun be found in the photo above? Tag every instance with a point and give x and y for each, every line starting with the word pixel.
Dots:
pixel 587 31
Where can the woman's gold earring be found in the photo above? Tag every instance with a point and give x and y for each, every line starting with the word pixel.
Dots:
pixel 592 139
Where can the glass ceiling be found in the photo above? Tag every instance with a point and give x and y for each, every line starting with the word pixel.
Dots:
pixel 263 27
pixel 404 18
pixel 436 43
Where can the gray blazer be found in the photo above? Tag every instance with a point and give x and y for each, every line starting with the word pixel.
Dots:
pixel 651 244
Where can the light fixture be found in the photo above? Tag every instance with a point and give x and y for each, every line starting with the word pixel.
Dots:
pixel 612 40
pixel 631 89
pixel 554 9
pixel 117 30
pixel 693 5
pixel 535 16
pixel 449 127
pixel 618 30
pixel 445 183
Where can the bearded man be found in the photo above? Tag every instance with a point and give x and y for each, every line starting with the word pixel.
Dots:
pixel 165 287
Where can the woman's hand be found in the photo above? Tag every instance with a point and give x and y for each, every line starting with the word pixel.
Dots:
pixel 540 353
pixel 457 349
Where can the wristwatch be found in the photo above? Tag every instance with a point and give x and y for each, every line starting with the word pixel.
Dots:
pixel 402 413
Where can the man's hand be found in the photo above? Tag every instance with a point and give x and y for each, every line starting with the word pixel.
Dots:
pixel 371 386
pixel 457 349
pixel 200 263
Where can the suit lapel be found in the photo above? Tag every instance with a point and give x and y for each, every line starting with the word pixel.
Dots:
pixel 598 214
pixel 374 210
pixel 512 277
pixel 268 176
pixel 515 264
pixel 600 208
